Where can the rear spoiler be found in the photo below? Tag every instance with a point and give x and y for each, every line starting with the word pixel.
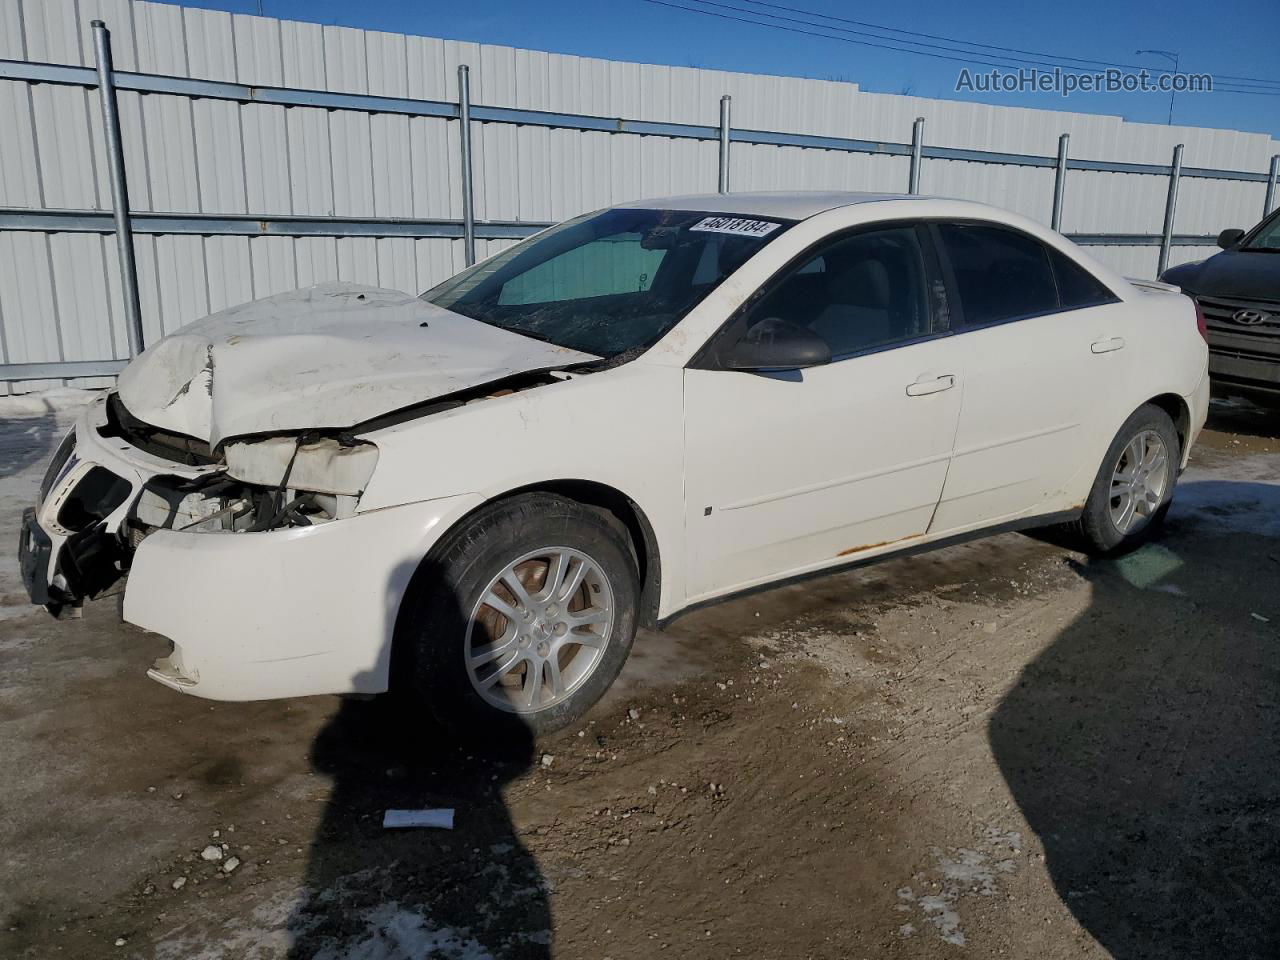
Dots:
pixel 1154 285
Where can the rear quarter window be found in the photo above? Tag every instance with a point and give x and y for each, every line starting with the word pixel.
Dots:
pixel 1000 274
pixel 1077 287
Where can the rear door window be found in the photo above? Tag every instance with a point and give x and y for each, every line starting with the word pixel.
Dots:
pixel 1000 274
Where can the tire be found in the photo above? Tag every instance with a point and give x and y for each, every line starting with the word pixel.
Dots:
pixel 522 651
pixel 1101 526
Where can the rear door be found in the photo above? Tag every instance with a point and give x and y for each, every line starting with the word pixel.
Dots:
pixel 1042 341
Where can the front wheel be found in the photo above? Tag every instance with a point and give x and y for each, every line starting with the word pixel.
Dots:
pixel 1134 487
pixel 523 618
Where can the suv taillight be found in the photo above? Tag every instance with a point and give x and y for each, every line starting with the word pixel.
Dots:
pixel 1200 322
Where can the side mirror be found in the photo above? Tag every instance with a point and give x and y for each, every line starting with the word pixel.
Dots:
pixel 774 344
pixel 1229 238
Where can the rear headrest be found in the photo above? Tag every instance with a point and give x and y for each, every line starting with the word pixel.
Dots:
pixel 864 284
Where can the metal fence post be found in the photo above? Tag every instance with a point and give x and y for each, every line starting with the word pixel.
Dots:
pixel 1271 184
pixel 468 186
pixel 119 188
pixel 725 102
pixel 917 142
pixel 1060 181
pixel 1170 205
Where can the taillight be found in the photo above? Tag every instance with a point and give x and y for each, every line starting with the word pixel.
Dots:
pixel 1200 322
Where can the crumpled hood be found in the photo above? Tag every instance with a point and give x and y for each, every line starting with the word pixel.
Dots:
pixel 332 355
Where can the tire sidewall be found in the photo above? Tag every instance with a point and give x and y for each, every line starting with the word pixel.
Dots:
pixel 455 579
pixel 1096 519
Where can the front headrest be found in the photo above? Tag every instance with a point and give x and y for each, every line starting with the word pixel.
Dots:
pixel 865 283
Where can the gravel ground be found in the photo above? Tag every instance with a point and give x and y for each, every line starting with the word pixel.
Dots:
pixel 998 749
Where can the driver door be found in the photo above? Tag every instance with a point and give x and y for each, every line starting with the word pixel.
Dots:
pixel 790 471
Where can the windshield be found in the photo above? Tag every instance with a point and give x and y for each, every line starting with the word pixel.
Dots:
pixel 1267 236
pixel 610 282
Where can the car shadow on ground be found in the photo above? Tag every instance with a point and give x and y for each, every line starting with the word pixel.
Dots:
pixel 1143 745
pixel 474 890
pixel 1245 417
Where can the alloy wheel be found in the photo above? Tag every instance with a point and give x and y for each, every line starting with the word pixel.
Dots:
pixel 1139 482
pixel 539 629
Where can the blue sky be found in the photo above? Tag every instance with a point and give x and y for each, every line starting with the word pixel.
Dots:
pixel 1236 37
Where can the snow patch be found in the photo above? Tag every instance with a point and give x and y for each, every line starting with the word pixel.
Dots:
pixel 42 402
pixel 958 872
pixel 396 933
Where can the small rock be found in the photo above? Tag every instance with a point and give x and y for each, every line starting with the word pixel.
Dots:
pixel 148 890
pixel 231 864
pixel 1260 618
pixel 633 713
pixel 211 853
pixel 653 791
pixel 548 759
pixel 179 883
pixel 121 941
pixel 216 834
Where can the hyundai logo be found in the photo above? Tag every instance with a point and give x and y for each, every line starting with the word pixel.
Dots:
pixel 1251 318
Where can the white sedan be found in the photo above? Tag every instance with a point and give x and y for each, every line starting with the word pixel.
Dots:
pixel 476 496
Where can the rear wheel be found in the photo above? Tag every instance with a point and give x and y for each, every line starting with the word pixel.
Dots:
pixel 1134 487
pixel 523 618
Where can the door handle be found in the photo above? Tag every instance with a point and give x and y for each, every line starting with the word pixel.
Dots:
pixel 922 388
pixel 1106 346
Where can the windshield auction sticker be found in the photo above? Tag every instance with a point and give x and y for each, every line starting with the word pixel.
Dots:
pixel 736 226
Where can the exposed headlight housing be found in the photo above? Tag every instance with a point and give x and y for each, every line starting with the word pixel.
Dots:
pixel 328 465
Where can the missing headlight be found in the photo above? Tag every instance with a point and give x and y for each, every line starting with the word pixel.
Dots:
pixel 94 498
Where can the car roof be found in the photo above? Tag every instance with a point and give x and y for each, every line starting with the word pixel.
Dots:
pixel 788 204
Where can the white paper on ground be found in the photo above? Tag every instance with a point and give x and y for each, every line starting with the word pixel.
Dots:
pixel 440 818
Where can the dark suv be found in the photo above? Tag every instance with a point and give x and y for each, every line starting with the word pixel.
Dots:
pixel 1238 291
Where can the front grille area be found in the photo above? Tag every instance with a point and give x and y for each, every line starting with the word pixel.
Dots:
pixel 1220 311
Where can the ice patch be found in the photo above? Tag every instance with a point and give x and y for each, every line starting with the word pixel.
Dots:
pixel 395 933
pixel 1242 497
pixel 275 926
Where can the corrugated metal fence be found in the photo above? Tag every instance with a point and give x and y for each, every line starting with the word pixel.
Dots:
pixel 263 155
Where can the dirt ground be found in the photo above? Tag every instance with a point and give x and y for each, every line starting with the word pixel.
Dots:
pixel 1001 749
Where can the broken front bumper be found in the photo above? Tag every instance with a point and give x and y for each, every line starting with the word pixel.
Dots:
pixel 252 615
pixel 35 550
pixel 71 546
pixel 283 613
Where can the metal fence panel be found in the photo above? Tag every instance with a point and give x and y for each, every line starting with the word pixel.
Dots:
pixel 60 289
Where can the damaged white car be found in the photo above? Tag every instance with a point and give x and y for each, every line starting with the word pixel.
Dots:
pixel 477 495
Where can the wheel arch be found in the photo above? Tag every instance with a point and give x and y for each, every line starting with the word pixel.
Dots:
pixel 1178 411
pixel 601 496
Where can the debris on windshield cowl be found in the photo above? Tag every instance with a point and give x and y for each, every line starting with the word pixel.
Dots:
pixel 441 818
